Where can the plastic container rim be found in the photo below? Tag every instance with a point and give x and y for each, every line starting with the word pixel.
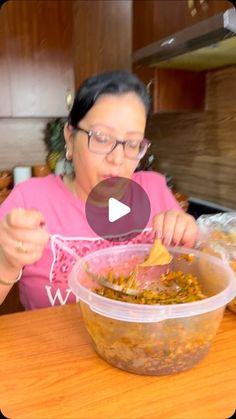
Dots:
pixel 143 313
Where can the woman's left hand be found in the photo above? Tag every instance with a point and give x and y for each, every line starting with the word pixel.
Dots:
pixel 175 228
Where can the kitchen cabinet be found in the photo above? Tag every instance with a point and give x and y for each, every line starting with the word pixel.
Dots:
pixel 102 37
pixel 157 19
pixel 172 90
pixel 5 101
pixel 37 44
pixel 49 47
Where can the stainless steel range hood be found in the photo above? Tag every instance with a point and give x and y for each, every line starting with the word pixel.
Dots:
pixel 208 44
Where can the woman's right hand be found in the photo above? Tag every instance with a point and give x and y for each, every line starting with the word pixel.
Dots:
pixel 23 238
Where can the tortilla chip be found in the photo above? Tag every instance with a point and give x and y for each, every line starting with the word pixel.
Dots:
pixel 159 255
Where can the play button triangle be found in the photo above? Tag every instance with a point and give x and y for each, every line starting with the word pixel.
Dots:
pixel 117 209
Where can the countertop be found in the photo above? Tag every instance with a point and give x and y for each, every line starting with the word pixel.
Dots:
pixel 48 369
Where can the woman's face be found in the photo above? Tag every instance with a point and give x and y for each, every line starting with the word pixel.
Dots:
pixel 121 116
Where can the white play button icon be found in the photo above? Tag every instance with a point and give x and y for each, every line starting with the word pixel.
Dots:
pixel 116 209
pixel 124 213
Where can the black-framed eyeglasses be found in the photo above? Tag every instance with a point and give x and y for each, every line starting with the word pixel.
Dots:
pixel 101 143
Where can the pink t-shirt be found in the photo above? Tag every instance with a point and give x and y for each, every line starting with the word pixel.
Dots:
pixel 45 283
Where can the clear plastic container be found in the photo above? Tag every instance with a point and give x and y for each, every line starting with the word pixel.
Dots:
pixel 153 339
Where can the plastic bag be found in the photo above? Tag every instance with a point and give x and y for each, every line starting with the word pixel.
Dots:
pixel 218 237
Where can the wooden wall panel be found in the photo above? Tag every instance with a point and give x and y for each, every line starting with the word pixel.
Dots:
pixel 199 149
pixel 21 142
pixel 102 36
pixel 221 91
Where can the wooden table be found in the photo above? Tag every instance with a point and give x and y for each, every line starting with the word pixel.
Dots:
pixel 49 370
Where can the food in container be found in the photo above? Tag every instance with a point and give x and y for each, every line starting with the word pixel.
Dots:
pixel 153 339
pixel 171 287
pixel 218 237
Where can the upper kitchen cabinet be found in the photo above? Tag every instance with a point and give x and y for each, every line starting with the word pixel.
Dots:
pixel 102 37
pixel 48 48
pixel 37 45
pixel 157 19
pixel 175 89
pixel 5 101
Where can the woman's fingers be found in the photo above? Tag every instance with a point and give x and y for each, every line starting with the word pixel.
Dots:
pixel 169 224
pixel 190 234
pixel 35 236
pixel 158 221
pixel 164 225
pixel 175 227
pixel 178 233
pixel 185 232
pixel 20 218
pixel 18 228
pixel 24 246
pixel 22 237
pixel 21 260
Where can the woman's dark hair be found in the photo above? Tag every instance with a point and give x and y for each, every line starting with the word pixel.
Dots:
pixel 110 82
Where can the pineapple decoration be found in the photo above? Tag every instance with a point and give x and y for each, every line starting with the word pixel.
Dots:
pixel 55 143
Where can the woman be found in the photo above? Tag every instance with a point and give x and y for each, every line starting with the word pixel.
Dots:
pixel 104 138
